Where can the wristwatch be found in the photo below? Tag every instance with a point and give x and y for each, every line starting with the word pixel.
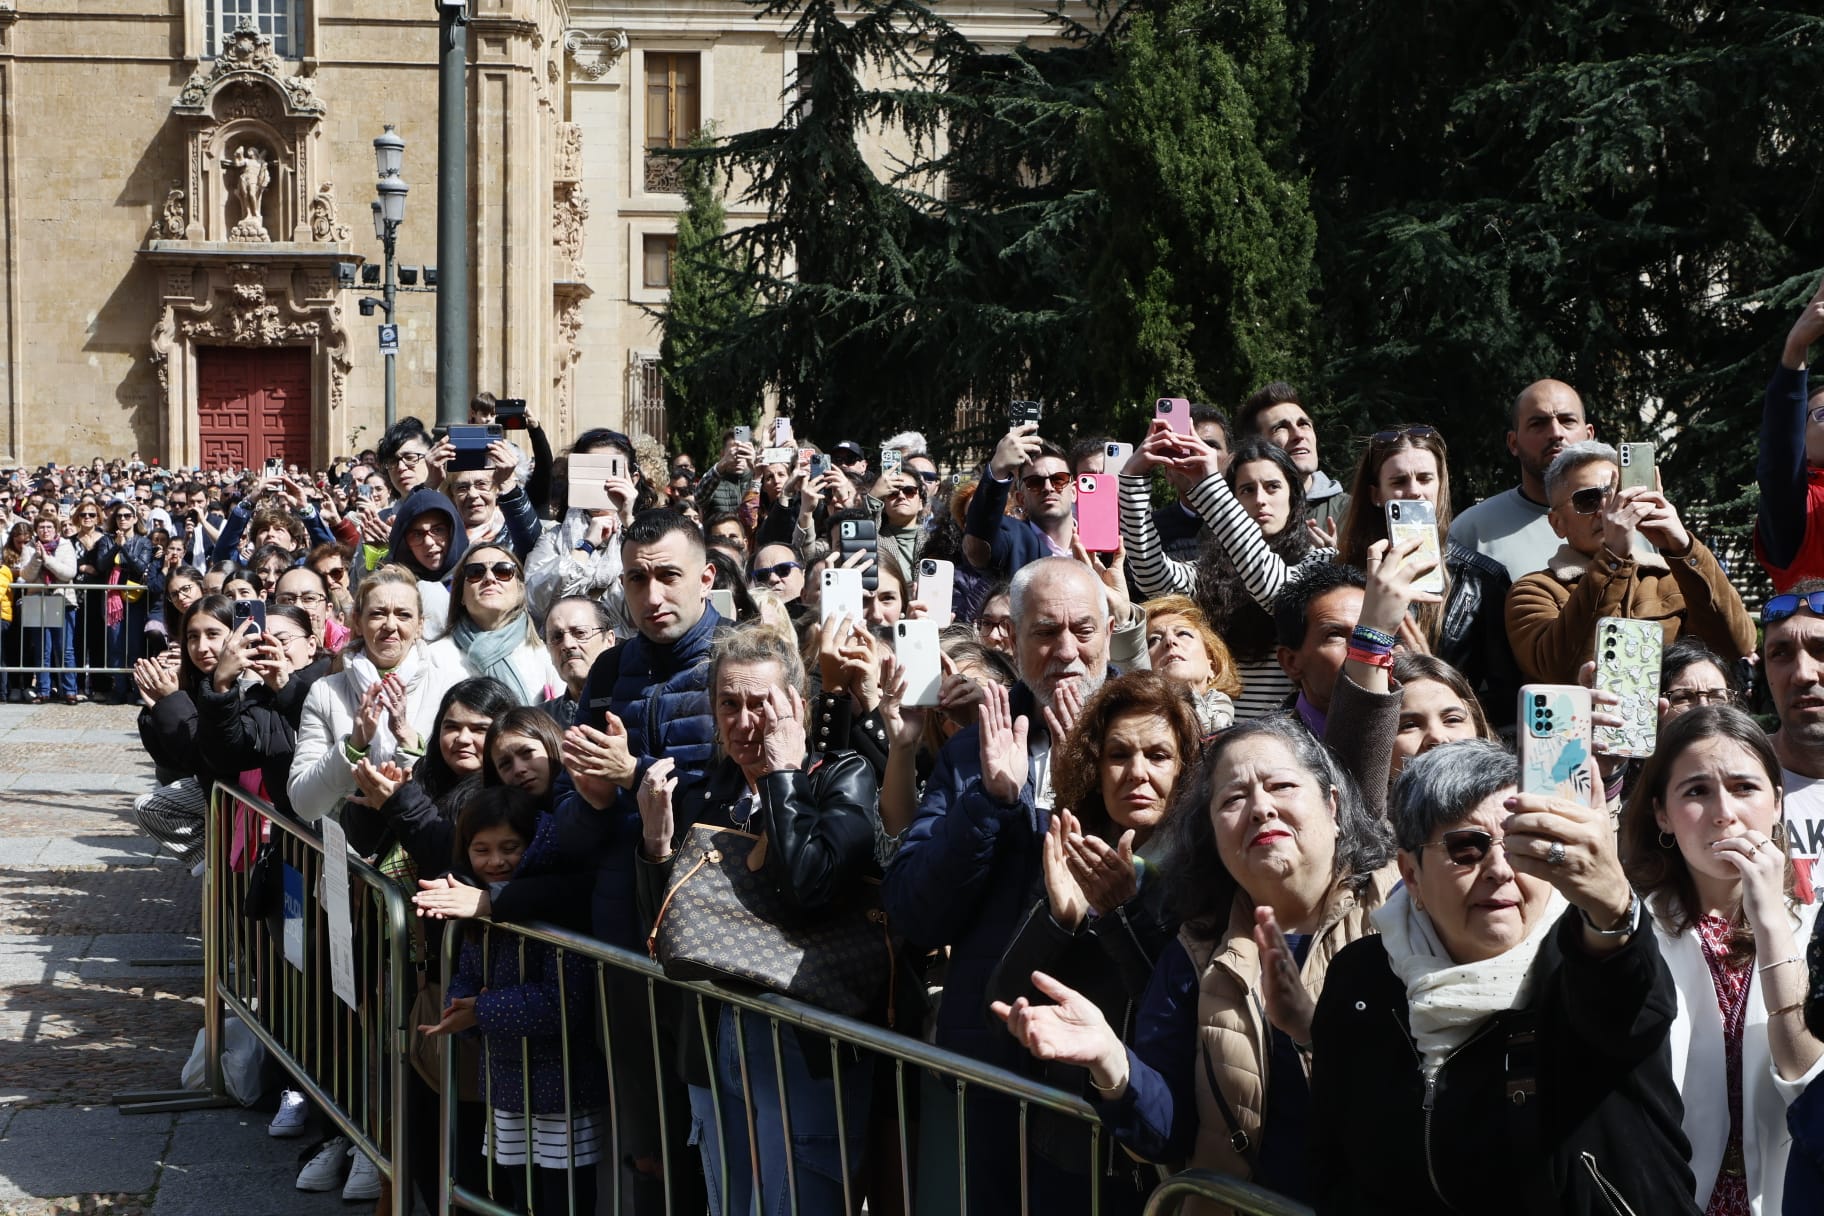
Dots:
pixel 1628 923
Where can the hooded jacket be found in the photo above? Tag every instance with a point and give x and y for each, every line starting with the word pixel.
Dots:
pixel 433 585
pixel 1325 499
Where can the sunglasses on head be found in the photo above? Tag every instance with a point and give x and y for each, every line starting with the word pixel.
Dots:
pixel 1780 607
pixel 1589 500
pixel 1464 846
pixel 1388 439
pixel 503 572
pixel 1035 483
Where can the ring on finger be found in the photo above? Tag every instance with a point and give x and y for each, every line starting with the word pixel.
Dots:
pixel 1554 856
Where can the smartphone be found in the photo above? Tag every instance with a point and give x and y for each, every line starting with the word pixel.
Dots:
pixel 1175 412
pixel 782 434
pixel 1098 513
pixel 471 444
pixel 1627 664
pixel 1118 455
pixel 1410 517
pixel 723 601
pixel 1637 466
pixel 275 466
pixel 587 472
pixel 890 460
pixel 744 434
pixel 779 455
pixel 249 610
pixel 1554 737
pixel 841 593
pixel 937 589
pixel 820 464
pixel 364 491
pixel 858 536
pixel 1021 412
pixel 510 413
pixel 915 646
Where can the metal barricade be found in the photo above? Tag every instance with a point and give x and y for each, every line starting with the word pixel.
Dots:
pixel 1243 1198
pixel 590 1020
pixel 62 630
pixel 267 961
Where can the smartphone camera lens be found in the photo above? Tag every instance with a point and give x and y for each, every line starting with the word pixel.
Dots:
pixel 1539 699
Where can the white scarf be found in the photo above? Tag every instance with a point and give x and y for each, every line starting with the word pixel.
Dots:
pixel 1450 1001
pixel 383 746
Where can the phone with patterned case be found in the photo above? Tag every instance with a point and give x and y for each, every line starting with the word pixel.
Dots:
pixel 1410 518
pixel 1554 740
pixel 1627 664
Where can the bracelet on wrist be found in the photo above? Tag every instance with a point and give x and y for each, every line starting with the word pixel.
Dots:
pixel 1108 1091
pixel 1765 968
pixel 1370 638
pixel 1373 658
pixel 1772 1013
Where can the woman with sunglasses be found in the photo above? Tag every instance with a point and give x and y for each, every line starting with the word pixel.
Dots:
pixel 95 550
pixel 248 711
pixel 1601 571
pixel 1467 625
pixel 491 634
pixel 332 562
pixel 1510 1019
pixel 1254 516
pixel 1706 849
pixel 1275 868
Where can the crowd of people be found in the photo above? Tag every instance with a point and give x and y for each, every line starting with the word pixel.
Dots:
pixel 1218 824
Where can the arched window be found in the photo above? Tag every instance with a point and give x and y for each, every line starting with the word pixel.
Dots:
pixel 278 19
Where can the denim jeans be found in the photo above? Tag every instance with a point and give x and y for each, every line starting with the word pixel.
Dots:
pixel 811 1102
pixel 52 648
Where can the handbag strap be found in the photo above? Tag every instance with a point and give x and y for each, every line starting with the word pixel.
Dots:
pixel 1238 1139
pixel 652 938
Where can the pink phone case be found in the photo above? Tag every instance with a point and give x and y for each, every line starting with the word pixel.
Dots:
pixel 1098 513
pixel 1175 412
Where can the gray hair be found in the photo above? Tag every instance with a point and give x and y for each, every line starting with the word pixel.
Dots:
pixel 1575 456
pixel 1032 572
pixel 909 443
pixel 754 642
pixel 1440 788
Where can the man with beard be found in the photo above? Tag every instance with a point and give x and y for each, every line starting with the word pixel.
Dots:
pixel 577 630
pixel 969 864
pixel 1512 527
pixel 1792 655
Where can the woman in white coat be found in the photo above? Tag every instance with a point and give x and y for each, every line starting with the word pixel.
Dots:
pixel 490 632
pixel 1704 845
pixel 379 702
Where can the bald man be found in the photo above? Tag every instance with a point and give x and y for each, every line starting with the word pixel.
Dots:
pixel 1512 527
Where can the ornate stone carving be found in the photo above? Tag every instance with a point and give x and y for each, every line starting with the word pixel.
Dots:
pixel 245 315
pixel 164 341
pixel 569 152
pixel 180 283
pixel 248 52
pixel 176 217
pixel 252 165
pixel 569 210
pixel 336 340
pixel 323 225
pixel 595 54
pixel 566 354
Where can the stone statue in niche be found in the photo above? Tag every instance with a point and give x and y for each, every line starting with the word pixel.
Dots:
pixel 176 218
pixel 252 166
pixel 323 225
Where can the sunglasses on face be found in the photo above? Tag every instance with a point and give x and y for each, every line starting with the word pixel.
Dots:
pixel 335 574
pixel 1035 483
pixel 903 492
pixel 928 475
pixel 1464 846
pixel 782 570
pixel 1388 439
pixel 503 572
pixel 1589 500
pixel 1782 606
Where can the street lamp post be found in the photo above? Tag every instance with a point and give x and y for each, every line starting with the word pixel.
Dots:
pixel 389 213
pixel 454 325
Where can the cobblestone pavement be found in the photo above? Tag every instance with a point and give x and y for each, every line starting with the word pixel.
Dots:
pixel 85 903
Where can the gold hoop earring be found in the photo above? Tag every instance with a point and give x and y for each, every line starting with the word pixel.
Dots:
pixel 1667 841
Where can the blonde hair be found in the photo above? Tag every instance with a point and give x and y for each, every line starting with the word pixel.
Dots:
pixel 1224 677
pixel 392 574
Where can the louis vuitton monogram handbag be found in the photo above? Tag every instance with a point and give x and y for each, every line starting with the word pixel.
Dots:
pixel 724 920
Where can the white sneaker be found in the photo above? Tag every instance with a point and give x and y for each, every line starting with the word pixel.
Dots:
pixel 363 1178
pixel 293 1114
pixel 324 1171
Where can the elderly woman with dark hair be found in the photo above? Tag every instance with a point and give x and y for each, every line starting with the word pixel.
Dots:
pixel 1510 1020
pixel 1276 866
pixel 1102 920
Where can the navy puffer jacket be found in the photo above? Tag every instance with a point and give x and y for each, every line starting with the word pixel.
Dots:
pixel 661 694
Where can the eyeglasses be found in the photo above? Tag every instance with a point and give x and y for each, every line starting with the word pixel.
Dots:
pixel 335 574
pixel 407 458
pixel 993 624
pixel 87 515
pixel 1782 606
pixel 1816 413
pixel 782 570
pixel 1465 846
pixel 1589 500
pixel 907 492
pixel 580 635
pixel 1388 439
pixel 287 638
pixel 503 572
pixel 1035 483
pixel 300 597
pixel 1690 698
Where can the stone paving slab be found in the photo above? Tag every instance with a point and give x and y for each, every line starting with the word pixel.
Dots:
pixel 50 1151
pixel 90 852
pixel 223 1161
pixel 161 898
pixel 124 756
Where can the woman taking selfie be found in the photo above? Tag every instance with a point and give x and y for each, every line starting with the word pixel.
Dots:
pixel 379 703
pixel 1703 836
pixel 1277 868
pixel 1510 1018
pixel 490 633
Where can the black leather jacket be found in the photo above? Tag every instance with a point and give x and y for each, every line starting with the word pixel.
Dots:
pixel 1473 635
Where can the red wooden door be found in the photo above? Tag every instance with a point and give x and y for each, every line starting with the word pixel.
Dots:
pixel 253 404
